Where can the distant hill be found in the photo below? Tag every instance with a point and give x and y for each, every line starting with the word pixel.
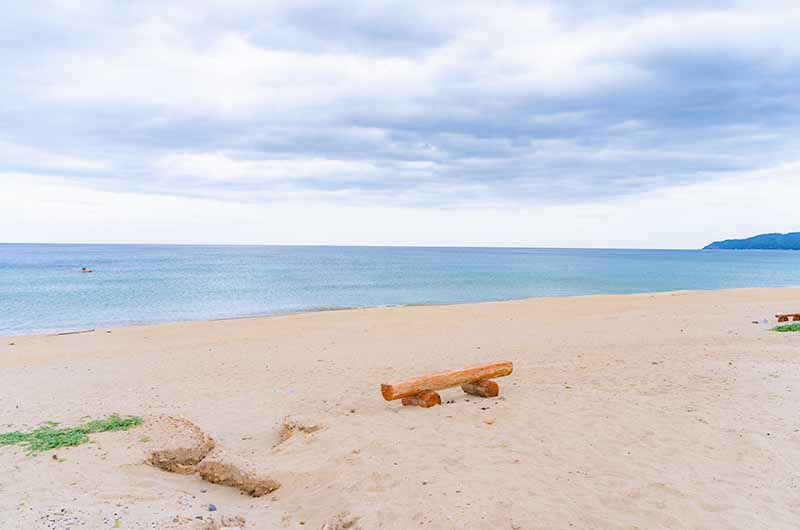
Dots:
pixel 790 241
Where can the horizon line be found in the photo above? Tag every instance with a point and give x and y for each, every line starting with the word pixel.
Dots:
pixel 349 245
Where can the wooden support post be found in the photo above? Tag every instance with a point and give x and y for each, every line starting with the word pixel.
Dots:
pixel 483 388
pixel 438 381
pixel 425 399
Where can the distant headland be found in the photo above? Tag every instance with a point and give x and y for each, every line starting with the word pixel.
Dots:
pixel 790 241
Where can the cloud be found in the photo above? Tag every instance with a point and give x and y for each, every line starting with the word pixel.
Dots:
pixel 45 208
pixel 398 104
pixel 21 157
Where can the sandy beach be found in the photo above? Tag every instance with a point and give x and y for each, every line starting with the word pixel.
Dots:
pixel 671 410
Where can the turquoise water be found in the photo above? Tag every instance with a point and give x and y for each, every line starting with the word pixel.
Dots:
pixel 42 290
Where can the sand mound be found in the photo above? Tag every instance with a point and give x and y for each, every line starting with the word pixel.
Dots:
pixel 185 449
pixel 220 467
pixel 182 445
pixel 293 425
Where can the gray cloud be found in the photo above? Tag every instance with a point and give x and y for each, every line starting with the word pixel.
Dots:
pixel 398 102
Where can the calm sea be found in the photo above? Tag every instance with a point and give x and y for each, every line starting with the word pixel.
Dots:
pixel 41 288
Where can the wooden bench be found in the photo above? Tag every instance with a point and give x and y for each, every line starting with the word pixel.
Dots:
pixel 475 380
pixel 784 317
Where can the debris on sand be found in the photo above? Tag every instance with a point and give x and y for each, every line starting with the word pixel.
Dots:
pixel 76 332
pixel 292 426
pixel 342 521
pixel 228 522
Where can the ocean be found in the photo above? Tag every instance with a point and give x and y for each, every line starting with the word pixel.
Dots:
pixel 42 290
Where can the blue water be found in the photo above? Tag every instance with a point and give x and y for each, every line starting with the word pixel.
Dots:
pixel 42 290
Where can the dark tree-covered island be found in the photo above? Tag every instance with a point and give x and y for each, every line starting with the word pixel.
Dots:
pixel 790 241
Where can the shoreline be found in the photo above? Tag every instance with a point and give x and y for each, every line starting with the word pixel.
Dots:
pixel 70 331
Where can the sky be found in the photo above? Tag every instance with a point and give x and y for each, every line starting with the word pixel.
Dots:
pixel 629 124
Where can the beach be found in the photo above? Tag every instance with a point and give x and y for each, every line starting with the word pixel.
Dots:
pixel 674 410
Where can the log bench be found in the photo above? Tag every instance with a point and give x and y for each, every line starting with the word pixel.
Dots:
pixel 784 317
pixel 475 380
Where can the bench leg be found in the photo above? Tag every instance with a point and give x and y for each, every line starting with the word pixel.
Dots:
pixel 485 388
pixel 425 399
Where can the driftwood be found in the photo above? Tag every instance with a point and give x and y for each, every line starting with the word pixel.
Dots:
pixel 483 388
pixel 74 332
pixel 784 317
pixel 425 399
pixel 421 391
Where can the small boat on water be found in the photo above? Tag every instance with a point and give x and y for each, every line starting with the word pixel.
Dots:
pixel 86 270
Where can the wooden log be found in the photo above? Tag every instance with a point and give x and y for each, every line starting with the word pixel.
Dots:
pixel 438 381
pixel 425 399
pixel 784 317
pixel 483 388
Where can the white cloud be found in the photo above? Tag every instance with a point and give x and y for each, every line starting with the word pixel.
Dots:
pixel 39 209
pixel 155 58
pixel 16 155
pixel 221 167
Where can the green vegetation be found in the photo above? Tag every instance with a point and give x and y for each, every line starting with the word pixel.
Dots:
pixel 49 436
pixel 783 328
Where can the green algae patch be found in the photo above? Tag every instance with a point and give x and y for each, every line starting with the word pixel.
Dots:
pixel 785 328
pixel 50 436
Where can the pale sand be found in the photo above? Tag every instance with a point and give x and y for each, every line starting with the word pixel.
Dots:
pixel 647 411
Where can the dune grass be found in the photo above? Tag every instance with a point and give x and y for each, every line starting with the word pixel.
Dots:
pixel 49 436
pixel 783 328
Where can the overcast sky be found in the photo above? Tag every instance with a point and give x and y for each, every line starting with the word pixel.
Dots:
pixel 636 124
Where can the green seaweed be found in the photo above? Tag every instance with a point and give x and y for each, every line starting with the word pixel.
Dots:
pixel 49 436
pixel 784 328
